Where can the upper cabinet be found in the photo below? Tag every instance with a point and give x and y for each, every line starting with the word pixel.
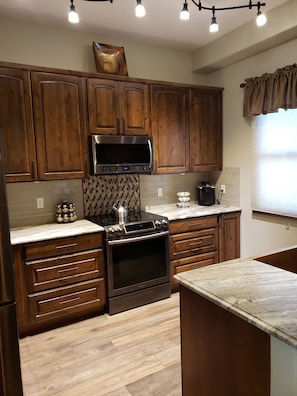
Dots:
pixel 46 114
pixel 170 126
pixel 187 129
pixel 60 127
pixel 118 107
pixel 206 129
pixel 16 125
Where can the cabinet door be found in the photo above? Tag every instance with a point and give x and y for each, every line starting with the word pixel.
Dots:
pixel 59 117
pixel 170 127
pixel 103 106
pixel 229 236
pixel 16 125
pixel 206 130
pixel 135 115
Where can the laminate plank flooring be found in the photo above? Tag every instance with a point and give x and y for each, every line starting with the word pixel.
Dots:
pixel 133 353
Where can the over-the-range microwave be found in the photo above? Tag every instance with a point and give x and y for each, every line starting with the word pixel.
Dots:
pixel 115 154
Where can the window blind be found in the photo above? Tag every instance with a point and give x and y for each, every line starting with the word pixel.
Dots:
pixel 274 176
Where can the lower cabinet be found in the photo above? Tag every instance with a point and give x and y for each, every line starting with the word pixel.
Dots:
pixel 58 281
pixel 202 241
pixel 193 243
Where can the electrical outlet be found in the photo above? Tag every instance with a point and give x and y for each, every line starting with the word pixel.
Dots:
pixel 223 188
pixel 40 203
pixel 160 192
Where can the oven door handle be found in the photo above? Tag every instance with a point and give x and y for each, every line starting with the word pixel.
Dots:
pixel 138 238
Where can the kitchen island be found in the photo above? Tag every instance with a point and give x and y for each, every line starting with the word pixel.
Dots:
pixel 239 330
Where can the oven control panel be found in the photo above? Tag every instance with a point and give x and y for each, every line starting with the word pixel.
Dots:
pixel 133 229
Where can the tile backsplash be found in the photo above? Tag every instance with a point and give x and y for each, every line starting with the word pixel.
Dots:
pixel 96 194
pixel 101 192
pixel 22 200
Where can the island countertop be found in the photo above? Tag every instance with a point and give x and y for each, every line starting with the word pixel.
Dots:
pixel 173 212
pixel 51 231
pixel 261 294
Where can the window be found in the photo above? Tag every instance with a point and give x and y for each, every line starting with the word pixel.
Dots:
pixel 274 184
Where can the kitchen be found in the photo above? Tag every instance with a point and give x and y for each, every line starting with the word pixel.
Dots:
pixel 157 64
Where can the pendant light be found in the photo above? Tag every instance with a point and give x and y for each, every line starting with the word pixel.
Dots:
pixel 139 9
pixel 73 15
pixel 214 27
pixel 184 14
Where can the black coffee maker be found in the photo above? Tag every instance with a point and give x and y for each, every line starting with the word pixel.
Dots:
pixel 206 194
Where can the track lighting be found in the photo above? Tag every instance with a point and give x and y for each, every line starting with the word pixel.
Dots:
pixel 214 27
pixel 73 15
pixel 184 14
pixel 139 9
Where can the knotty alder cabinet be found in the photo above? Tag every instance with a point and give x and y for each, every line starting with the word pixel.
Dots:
pixel 58 281
pixel 43 125
pixel 192 244
pixel 170 126
pixel 16 124
pixel 202 241
pixel 187 128
pixel 60 126
pixel 206 144
pixel 118 107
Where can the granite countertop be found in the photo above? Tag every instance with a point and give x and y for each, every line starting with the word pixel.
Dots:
pixel 51 231
pixel 259 293
pixel 173 212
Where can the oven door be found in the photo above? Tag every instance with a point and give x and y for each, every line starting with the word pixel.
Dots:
pixel 137 263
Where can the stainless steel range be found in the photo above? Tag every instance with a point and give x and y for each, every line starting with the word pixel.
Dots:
pixel 137 259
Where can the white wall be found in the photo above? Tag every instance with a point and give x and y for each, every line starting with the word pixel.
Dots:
pixel 263 234
pixel 25 43
pixel 71 49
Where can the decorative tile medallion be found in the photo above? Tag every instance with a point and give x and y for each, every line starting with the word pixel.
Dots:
pixel 101 192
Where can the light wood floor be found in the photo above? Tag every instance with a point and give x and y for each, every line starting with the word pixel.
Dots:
pixel 136 353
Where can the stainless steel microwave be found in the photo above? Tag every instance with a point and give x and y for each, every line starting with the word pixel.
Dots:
pixel 115 154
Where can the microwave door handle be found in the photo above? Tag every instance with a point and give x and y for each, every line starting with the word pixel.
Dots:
pixel 151 152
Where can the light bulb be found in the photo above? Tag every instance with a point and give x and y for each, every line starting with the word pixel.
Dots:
pixel 73 15
pixel 213 27
pixel 184 14
pixel 139 9
pixel 261 19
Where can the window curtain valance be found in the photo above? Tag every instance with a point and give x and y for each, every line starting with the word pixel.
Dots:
pixel 270 92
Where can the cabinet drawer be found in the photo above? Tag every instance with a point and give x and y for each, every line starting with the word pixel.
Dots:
pixel 189 263
pixel 193 243
pixel 199 223
pixel 63 302
pixel 61 246
pixel 64 270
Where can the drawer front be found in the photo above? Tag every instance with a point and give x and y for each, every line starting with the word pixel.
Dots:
pixel 64 270
pixel 63 302
pixel 61 246
pixel 189 263
pixel 199 223
pixel 193 243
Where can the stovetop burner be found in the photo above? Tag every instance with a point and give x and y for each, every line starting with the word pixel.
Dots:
pixel 132 217
pixel 135 224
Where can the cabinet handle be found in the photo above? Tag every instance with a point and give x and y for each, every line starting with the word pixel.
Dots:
pixel 68 269
pixel 69 301
pixel 195 243
pixel 66 246
pixel 195 225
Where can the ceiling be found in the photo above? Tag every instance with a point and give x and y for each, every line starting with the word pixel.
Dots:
pixel 160 26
